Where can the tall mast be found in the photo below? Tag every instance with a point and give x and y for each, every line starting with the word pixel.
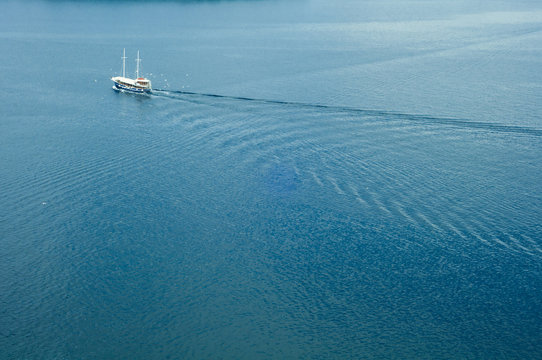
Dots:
pixel 137 62
pixel 123 62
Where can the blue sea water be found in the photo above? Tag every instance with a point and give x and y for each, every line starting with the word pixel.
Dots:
pixel 310 180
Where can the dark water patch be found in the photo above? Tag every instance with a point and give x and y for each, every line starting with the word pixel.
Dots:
pixel 281 179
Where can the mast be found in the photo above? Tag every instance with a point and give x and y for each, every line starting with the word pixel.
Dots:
pixel 138 60
pixel 123 62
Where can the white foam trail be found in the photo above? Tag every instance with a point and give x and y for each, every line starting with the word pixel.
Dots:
pixel 336 186
pixel 456 230
pixel 518 244
pixel 317 179
pixel 502 243
pixel 380 205
pixel 357 196
pixel 433 225
pixel 533 243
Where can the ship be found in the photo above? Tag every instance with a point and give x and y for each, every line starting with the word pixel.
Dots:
pixel 139 85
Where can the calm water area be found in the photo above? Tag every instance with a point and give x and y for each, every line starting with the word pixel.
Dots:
pixel 309 180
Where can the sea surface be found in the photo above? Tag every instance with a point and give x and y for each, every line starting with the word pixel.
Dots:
pixel 310 179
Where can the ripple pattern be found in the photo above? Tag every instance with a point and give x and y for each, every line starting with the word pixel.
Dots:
pixel 213 222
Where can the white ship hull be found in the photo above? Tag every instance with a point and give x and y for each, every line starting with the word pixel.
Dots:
pixel 140 86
